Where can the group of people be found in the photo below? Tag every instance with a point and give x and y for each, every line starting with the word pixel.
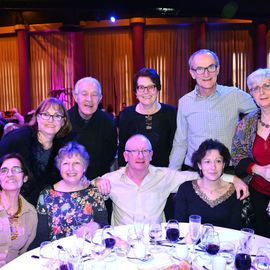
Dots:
pixel 50 168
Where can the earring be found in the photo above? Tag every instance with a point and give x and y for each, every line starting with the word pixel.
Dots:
pixel 25 179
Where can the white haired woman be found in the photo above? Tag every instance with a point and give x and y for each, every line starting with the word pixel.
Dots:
pixel 70 203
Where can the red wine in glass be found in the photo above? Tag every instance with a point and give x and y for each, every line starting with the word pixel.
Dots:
pixel 66 267
pixel 109 242
pixel 172 234
pixel 242 261
pixel 212 249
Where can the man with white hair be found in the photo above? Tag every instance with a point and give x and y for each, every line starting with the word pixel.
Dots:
pixel 142 189
pixel 93 128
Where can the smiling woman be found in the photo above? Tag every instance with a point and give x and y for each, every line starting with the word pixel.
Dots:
pixel 38 143
pixel 71 204
pixel 15 211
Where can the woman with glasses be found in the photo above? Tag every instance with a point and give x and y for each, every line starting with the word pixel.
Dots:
pixel 18 218
pixel 70 204
pixel 155 120
pixel 251 149
pixel 39 142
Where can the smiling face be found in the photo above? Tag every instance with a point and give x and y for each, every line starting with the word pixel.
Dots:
pixel 51 126
pixel 138 161
pixel 147 97
pixel 72 169
pixel 13 178
pixel 206 81
pixel 212 165
pixel 87 98
pixel 261 97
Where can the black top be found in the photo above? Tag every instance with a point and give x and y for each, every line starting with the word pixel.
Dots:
pixel 226 213
pixel 39 161
pixel 99 136
pixel 159 128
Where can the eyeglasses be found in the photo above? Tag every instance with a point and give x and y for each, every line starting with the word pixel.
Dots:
pixel 47 116
pixel 200 70
pixel 256 89
pixel 14 170
pixel 150 88
pixel 137 152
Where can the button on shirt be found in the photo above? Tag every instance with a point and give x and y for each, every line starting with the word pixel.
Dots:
pixel 200 118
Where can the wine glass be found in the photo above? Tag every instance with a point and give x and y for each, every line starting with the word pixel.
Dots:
pixel 172 231
pixel 242 261
pixel 262 260
pixel 194 229
pixel 212 243
pixel 206 228
pixel 108 237
pixel 155 234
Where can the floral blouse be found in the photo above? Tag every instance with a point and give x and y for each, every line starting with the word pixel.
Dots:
pixel 67 211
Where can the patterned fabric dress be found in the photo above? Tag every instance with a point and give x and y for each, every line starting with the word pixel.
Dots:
pixel 67 211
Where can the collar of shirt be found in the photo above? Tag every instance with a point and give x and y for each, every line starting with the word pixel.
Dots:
pixel 198 95
pixel 152 170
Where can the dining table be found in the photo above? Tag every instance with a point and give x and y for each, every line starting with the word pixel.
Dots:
pixel 159 260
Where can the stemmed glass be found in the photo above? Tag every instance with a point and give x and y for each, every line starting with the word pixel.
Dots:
pixel 172 231
pixel 194 229
pixel 206 228
pixel 109 241
pixel 212 243
pixel 262 260
pixel 155 234
pixel 98 245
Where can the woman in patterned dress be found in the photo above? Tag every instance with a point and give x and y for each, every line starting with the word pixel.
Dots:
pixel 71 203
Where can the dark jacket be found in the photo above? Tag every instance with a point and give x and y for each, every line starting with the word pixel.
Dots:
pixel 25 142
pixel 99 136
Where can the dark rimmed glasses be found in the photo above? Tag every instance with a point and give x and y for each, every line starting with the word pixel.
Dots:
pixel 200 70
pixel 149 88
pixel 47 116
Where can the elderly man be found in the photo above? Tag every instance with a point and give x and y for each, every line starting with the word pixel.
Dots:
pixel 140 188
pixel 209 111
pixel 93 128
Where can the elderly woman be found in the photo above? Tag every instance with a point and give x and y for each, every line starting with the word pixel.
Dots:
pixel 39 143
pixel 251 149
pixel 18 218
pixel 210 197
pixel 70 203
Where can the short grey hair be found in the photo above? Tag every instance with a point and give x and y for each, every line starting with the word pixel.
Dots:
pixel 70 149
pixel 257 76
pixel 89 80
pixel 203 51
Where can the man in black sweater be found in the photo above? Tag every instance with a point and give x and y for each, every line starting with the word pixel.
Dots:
pixel 92 127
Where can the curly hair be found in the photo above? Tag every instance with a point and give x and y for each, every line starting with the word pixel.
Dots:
pixel 208 145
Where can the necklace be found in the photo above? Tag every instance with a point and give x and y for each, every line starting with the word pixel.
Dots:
pixel 264 124
pixel 14 220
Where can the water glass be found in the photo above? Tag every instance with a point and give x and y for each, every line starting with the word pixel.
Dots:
pixel 65 260
pixel 155 234
pixel 47 253
pixel 262 260
pixel 227 251
pixel 138 223
pixel 247 235
pixel 98 247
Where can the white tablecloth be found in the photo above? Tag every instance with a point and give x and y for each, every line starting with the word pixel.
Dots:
pixel 159 261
